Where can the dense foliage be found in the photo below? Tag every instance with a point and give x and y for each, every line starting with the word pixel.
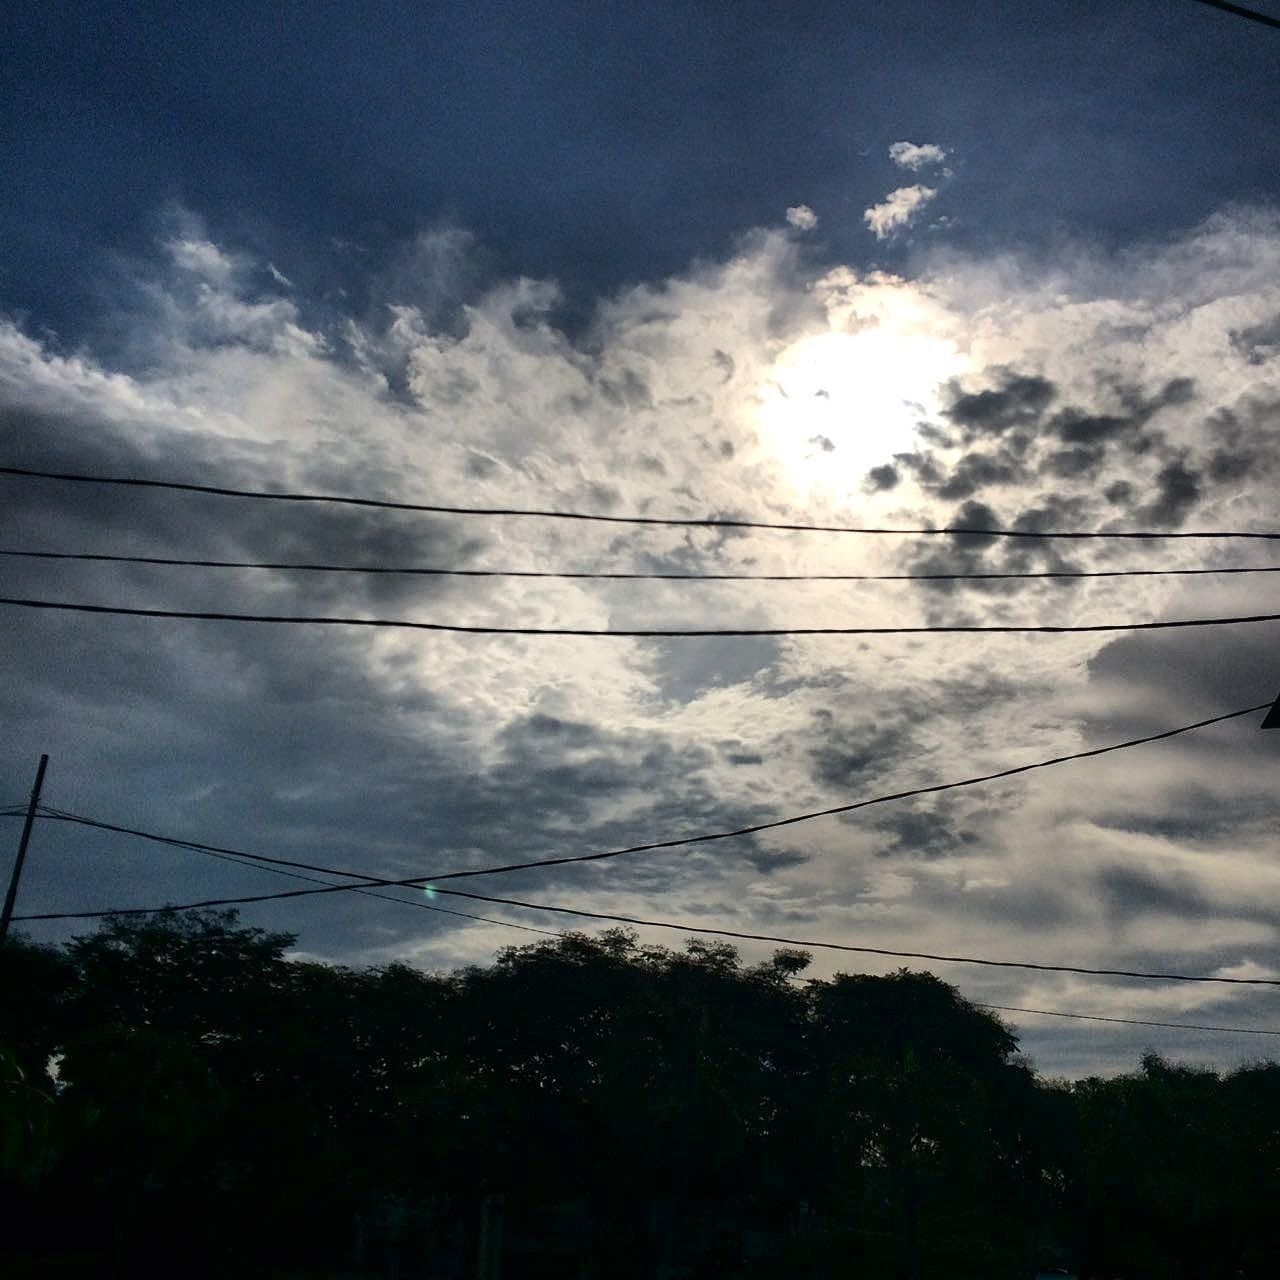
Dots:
pixel 178 1097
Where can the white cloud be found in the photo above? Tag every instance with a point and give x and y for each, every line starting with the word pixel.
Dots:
pixel 662 410
pixel 916 156
pixel 202 258
pixel 802 217
pixel 897 209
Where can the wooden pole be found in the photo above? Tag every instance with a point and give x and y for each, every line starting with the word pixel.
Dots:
pixel 11 897
pixel 1273 717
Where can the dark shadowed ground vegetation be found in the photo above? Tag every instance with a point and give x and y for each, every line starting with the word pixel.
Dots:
pixel 178 1098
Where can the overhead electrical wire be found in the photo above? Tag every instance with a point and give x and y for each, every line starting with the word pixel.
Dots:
pixel 258 862
pixel 62 815
pixel 624 576
pixel 432 884
pixel 1130 1022
pixel 803 943
pixel 1239 11
pixel 367 893
pixel 405 624
pixel 701 522
pixel 710 931
pixel 556 933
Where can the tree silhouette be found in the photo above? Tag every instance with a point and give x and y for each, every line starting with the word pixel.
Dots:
pixel 177 1095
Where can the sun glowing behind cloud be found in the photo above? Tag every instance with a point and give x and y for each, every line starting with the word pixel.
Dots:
pixel 835 404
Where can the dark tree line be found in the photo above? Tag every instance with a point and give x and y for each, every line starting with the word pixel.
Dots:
pixel 177 1097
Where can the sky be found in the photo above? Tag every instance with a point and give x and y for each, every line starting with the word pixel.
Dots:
pixel 845 264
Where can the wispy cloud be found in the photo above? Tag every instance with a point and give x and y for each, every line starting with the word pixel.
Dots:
pixel 916 156
pixel 897 210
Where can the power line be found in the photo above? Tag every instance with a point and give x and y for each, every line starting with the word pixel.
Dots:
pixel 553 514
pixel 681 927
pixel 842 946
pixel 404 624
pixel 258 863
pixel 662 924
pixel 609 575
pixel 1241 12
pixel 678 842
pixel 555 933
pixel 1131 1022
pixel 366 892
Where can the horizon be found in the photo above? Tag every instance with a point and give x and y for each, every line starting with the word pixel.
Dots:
pixel 1007 269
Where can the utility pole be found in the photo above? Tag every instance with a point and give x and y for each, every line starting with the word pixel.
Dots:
pixel 11 897
pixel 1273 717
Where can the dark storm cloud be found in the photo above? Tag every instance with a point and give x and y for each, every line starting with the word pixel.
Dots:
pixel 1074 464
pixel 1245 439
pixel 1225 467
pixel 932 434
pixel 683 675
pixel 775 916
pixel 1034 906
pixel 1147 682
pixel 1185 672
pixel 976 553
pixel 561 768
pixel 1178 492
pixel 769 860
pixel 287 743
pixel 1208 958
pixel 536 731
pixel 977 471
pixel 726 364
pixel 1195 813
pixel 1032 439
pixel 1074 426
pixel 923 468
pixel 268 738
pixel 1071 445
pixel 883 478
pixel 972 518
pixel 925 831
pixel 1258 343
pixel 1017 400
pixel 850 750
pixel 58 516
pixel 1128 892
pixel 1024 443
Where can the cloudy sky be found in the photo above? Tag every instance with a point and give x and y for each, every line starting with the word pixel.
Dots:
pixel 1005 265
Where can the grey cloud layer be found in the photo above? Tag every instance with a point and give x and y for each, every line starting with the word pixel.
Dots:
pixel 1142 395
